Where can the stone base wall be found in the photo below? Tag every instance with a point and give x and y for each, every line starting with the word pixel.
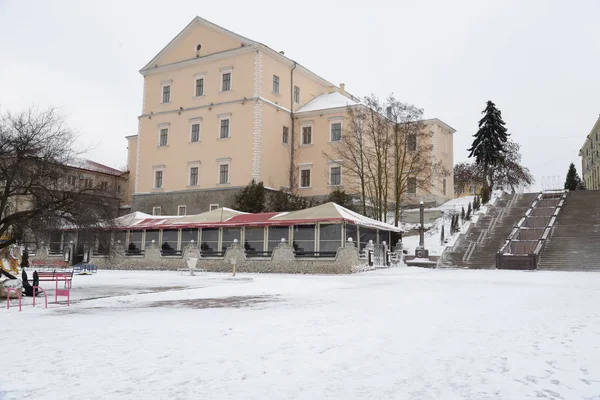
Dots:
pixel 282 260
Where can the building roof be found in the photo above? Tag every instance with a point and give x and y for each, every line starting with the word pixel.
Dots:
pixel 226 217
pixel 84 163
pixel 327 101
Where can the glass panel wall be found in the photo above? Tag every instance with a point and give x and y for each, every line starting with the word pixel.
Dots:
pixel 276 233
pixel 55 244
pixel 384 236
pixel 187 235
pixel 169 241
pixel 104 239
pixel 229 234
pixel 150 236
pixel 254 239
pixel 304 238
pixel 330 237
pixel 120 237
pixel 135 241
pixel 367 234
pixel 210 240
pixel 352 232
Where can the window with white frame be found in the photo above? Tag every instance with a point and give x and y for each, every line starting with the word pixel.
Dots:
pixel 199 86
pixel 296 94
pixel 285 134
pixel 163 136
pixel 411 186
pixel 226 79
pixel 224 126
pixel 336 131
pixel 158 179
pixel 156 211
pixel 305 177
pixel 335 175
pixel 213 206
pixel 181 210
pixel 275 84
pixel 194 131
pixel 223 177
pixel 307 134
pixel 166 92
pixel 194 169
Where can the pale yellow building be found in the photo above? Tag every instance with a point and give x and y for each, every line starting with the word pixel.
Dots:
pixel 220 110
pixel 590 158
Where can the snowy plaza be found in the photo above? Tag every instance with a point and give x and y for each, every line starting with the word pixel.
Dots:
pixel 397 333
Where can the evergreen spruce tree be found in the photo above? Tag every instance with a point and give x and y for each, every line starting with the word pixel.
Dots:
pixel 252 198
pixel 468 215
pixel 462 213
pixel 485 195
pixel 442 235
pixel 340 197
pixel 488 145
pixel 573 181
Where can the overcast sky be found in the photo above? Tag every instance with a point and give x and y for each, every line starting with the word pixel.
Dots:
pixel 539 61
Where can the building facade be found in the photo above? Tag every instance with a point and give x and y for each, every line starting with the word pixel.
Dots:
pixel 590 158
pixel 220 110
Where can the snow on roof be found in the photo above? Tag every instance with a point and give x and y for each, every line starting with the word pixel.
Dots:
pixel 84 163
pixel 226 217
pixel 327 101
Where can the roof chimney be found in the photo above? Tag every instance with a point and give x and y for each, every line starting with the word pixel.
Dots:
pixel 331 89
pixel 342 88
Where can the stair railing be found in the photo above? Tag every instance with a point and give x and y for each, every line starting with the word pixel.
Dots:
pixel 469 252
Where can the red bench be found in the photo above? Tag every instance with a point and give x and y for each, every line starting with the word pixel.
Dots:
pixel 50 265
pixel 55 276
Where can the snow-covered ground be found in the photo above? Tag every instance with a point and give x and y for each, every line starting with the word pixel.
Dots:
pixel 400 333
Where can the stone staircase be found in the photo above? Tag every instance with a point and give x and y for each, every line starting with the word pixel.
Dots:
pixel 574 244
pixel 484 255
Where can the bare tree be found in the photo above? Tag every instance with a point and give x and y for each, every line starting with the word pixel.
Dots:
pixel 386 147
pixel 38 192
pixel 465 175
pixel 413 152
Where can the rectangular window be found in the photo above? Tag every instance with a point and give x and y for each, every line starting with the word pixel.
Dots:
pixel 181 210
pixel 158 179
pixel 335 176
pixel 275 84
pixel 156 211
pixel 166 94
pixel 224 173
pixel 336 131
pixel 213 206
pixel 224 132
pixel 210 240
pixel 195 133
pixel 330 237
pixel 226 85
pixel 296 94
pixel 411 142
pixel 194 176
pixel 304 238
pixel 200 87
pixel 71 180
pixel 254 239
pixel 411 186
pixel 88 183
pixel 119 189
pixel 305 178
pixel 104 186
pixel 164 137
pixel 306 134
pixel 285 136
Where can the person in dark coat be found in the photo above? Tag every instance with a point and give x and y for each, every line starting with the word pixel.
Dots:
pixel 27 287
